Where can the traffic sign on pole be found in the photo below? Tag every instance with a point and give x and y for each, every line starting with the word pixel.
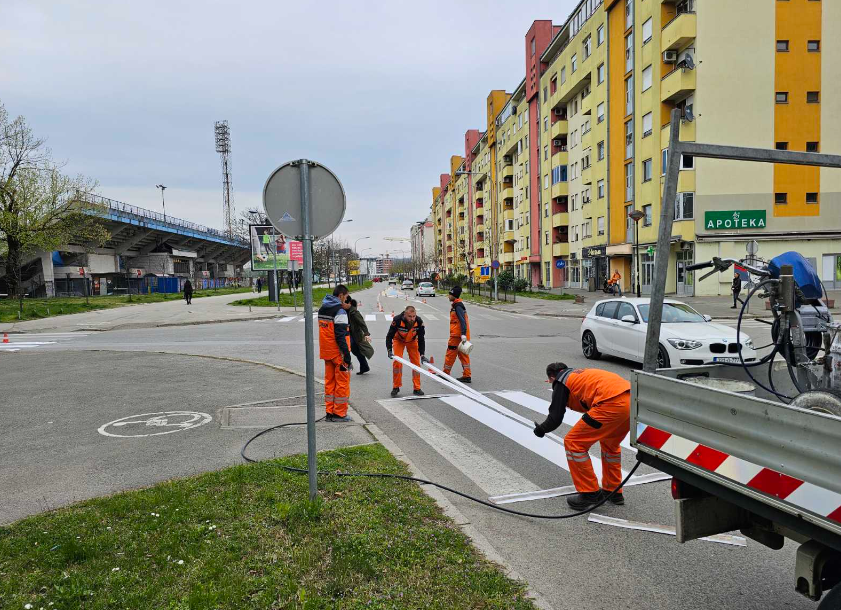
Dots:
pixel 303 199
pixel 560 264
pixel 495 264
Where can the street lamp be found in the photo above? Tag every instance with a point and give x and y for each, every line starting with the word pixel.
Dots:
pixel 163 201
pixel 636 216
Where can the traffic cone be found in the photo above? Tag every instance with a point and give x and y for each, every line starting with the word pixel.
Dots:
pixel 5 337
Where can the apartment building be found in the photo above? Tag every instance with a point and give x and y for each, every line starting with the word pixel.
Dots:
pixel 581 142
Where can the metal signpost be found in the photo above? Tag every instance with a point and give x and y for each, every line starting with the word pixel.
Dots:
pixel 305 200
pixel 495 267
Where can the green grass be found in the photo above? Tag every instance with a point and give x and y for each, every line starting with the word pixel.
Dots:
pixel 548 296
pixel 35 309
pixel 247 537
pixel 286 299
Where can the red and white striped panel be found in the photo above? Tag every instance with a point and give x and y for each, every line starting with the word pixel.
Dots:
pixel 804 495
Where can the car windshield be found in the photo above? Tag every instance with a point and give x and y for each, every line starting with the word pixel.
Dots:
pixel 426 285
pixel 674 313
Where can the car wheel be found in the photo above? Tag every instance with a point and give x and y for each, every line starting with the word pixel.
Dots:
pixel 588 346
pixel 663 361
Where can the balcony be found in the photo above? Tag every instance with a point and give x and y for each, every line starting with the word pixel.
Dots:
pixel 507 257
pixel 509 236
pixel 560 189
pixel 508 172
pixel 677 85
pixel 587 175
pixel 560 158
pixel 507 193
pixel 508 214
pixel 480 227
pixel 558 129
pixel 678 32
pixel 560 249
pixel 561 219
pixel 587 104
pixel 687 133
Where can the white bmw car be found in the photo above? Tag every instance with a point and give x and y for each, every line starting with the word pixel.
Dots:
pixel 425 289
pixel 617 327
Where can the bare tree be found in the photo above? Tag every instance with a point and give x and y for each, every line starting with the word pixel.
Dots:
pixel 39 205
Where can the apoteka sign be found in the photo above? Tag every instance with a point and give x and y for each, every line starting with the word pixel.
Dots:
pixel 733 220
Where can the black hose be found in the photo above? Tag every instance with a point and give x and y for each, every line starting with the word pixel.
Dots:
pixel 387 475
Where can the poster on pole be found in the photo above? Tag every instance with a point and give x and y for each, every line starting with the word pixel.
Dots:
pixel 353 267
pixel 265 242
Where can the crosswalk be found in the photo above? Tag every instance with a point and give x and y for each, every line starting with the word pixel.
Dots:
pixel 387 317
pixel 16 342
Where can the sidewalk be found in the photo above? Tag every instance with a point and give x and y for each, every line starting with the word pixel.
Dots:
pixel 206 310
pixel 719 307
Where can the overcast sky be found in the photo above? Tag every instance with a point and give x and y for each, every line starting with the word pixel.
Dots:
pixel 379 92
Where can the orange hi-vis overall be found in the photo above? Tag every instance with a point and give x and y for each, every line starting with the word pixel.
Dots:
pixel 334 349
pixel 459 325
pixel 402 335
pixel 605 400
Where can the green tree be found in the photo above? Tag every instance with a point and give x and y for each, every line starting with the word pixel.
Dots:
pixel 40 207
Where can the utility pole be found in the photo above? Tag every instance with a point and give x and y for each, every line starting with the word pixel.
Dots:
pixel 163 201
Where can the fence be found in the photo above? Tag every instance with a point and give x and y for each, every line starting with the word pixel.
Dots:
pixel 486 289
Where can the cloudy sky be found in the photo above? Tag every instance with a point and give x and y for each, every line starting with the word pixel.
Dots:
pixel 381 92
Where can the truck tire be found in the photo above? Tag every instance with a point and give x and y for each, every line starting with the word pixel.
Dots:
pixel 832 600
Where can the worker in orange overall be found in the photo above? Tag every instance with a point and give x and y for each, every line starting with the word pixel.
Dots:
pixel 605 400
pixel 406 332
pixel 334 349
pixel 459 333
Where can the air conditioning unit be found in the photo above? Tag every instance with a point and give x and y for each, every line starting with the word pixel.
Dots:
pixel 557 142
pixel 669 57
pixel 559 112
pixel 685 245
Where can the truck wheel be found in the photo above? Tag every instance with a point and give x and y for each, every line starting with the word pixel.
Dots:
pixel 663 361
pixel 832 600
pixel 589 347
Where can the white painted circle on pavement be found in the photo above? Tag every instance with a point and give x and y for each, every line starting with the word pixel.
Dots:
pixel 154 424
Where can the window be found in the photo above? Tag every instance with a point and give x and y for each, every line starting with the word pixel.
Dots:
pixel 629 13
pixel 626 309
pixel 629 139
pixel 600 71
pixel 782 145
pixel 646 170
pixel 782 46
pixel 629 95
pixel 687 162
pixel 813 97
pixel 533 47
pixel 781 97
pixel 574 63
pixel 546 181
pixel 664 160
pixel 546 240
pixel 646 221
pixel 646 31
pixel 685 206
pixel 600 35
pixel 813 46
pixel 600 225
pixel 646 78
pixel 585 128
pixel 647 127
pixel 780 198
pixel 600 189
pixel 608 309
pixel 546 123
pixel 629 52
pixel 545 94
pixel 812 147
pixel 811 197
pixel 600 151
pixel 545 210
pixel 629 182
pixel 546 153
pixel 588 47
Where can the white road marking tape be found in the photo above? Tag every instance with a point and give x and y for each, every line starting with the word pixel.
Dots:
pixel 491 475
pixel 662 529
pixel 370 317
pixel 9 349
pixel 388 317
pixel 568 490
pixel 287 319
pixel 30 343
pixel 430 316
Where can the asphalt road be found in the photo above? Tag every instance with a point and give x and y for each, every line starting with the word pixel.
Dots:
pixel 572 563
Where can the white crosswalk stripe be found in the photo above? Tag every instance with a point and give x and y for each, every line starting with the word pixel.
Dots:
pixel 24 341
pixel 370 317
pixel 430 316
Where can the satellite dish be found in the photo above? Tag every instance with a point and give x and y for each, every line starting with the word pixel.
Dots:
pixel 687 114
pixel 689 62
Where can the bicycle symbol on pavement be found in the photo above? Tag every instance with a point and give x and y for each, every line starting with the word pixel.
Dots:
pixel 154 424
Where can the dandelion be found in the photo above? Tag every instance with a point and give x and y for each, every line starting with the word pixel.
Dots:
pixel 181 562
pixel 115 569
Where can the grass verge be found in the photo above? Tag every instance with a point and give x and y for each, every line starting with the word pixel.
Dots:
pixel 286 299
pixel 247 537
pixel 548 296
pixel 35 309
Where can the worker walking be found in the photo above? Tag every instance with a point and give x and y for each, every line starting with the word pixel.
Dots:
pixel 605 400
pixel 334 349
pixel 459 333
pixel 615 283
pixel 407 331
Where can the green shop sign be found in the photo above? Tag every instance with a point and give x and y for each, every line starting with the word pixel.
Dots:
pixel 734 219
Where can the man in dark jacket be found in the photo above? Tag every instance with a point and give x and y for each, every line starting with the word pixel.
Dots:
pixel 188 292
pixel 360 338
pixel 736 288
pixel 407 332
pixel 259 285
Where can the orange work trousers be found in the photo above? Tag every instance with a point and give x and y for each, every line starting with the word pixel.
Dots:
pixel 336 386
pixel 614 416
pixel 450 357
pixel 397 368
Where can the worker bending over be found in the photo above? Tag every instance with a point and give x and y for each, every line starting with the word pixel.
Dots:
pixel 407 331
pixel 334 349
pixel 605 400
pixel 459 333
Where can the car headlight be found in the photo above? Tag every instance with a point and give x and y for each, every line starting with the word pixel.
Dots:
pixel 685 343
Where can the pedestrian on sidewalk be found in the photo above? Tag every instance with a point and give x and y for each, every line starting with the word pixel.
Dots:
pixel 616 282
pixel 459 333
pixel 334 349
pixel 736 288
pixel 360 338
pixel 605 400
pixel 188 292
pixel 406 332
pixel 259 285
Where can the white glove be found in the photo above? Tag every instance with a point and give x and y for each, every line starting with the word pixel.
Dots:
pixel 463 338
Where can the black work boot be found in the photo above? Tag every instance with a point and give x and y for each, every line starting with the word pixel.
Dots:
pixel 464 379
pixel 617 499
pixel 585 500
pixel 340 418
pixel 418 392
pixel 328 417
pixel 395 392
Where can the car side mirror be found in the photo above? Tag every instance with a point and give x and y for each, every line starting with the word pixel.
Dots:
pixel 708 318
pixel 629 319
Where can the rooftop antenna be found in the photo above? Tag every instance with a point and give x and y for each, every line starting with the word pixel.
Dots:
pixel 223 146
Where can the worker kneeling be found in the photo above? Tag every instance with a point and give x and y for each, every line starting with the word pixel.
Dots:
pixel 605 400
pixel 407 331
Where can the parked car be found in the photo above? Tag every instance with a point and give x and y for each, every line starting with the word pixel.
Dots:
pixel 617 327
pixel 425 289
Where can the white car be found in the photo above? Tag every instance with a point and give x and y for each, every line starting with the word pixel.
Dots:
pixel 425 289
pixel 407 285
pixel 617 327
